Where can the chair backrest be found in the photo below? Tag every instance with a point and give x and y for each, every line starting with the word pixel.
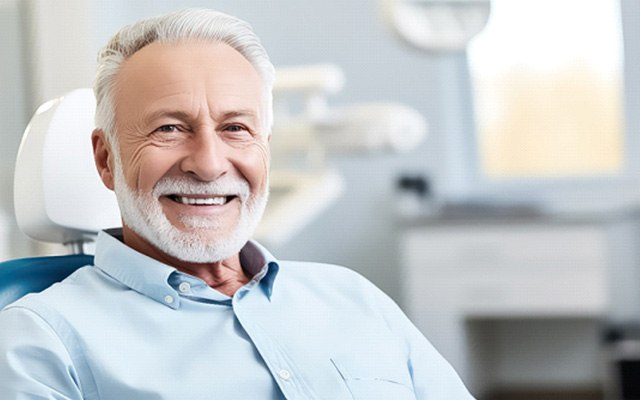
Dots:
pixel 58 194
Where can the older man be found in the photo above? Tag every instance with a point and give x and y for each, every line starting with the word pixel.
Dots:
pixel 180 303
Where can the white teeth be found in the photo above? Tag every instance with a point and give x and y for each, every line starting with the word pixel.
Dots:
pixel 209 201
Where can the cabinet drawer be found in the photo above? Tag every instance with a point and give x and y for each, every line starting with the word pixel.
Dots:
pixel 504 249
pixel 508 269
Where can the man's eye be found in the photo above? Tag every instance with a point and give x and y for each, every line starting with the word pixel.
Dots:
pixel 167 129
pixel 235 128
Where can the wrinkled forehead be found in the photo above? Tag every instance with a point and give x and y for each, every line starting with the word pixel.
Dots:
pixel 188 72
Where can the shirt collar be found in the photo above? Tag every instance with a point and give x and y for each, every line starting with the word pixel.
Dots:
pixel 261 264
pixel 151 277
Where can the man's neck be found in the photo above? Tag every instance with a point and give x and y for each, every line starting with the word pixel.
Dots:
pixel 226 276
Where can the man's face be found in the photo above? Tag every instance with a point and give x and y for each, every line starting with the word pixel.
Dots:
pixel 192 178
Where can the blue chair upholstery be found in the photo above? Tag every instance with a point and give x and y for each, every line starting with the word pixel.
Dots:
pixel 29 275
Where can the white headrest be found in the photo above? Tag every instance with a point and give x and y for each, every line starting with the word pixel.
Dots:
pixel 58 194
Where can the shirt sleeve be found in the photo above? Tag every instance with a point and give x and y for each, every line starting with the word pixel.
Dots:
pixel 34 363
pixel 433 377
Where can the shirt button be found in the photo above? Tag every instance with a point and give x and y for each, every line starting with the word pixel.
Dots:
pixel 284 374
pixel 168 299
pixel 184 287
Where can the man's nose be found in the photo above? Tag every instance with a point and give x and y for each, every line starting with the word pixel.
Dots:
pixel 207 157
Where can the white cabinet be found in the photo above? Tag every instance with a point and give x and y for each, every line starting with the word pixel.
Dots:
pixel 458 273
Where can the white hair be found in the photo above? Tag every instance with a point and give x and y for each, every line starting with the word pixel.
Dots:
pixel 189 24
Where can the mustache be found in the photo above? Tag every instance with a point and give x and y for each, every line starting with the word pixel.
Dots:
pixel 189 186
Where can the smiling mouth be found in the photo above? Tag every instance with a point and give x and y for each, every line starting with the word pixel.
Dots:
pixel 202 200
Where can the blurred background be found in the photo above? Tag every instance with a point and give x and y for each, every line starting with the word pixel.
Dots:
pixel 476 159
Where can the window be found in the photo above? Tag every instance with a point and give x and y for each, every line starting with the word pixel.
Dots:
pixel 548 89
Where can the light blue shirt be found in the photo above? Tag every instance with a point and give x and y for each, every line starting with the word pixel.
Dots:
pixel 132 328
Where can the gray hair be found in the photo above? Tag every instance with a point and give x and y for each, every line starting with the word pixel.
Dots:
pixel 189 24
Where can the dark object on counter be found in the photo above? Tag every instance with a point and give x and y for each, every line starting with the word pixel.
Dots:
pixel 622 343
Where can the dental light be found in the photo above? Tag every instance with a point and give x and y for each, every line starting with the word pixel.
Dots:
pixel 436 25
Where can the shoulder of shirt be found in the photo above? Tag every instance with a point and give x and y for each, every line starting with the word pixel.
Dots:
pixel 308 269
pixel 79 285
pixel 321 275
pixel 339 283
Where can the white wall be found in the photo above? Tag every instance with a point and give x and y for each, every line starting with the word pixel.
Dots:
pixel 14 113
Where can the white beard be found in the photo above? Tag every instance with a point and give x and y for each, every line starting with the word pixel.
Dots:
pixel 143 214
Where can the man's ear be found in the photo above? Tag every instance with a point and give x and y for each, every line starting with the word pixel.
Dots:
pixel 102 155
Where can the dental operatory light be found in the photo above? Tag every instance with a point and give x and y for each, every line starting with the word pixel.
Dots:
pixel 305 122
pixel 436 25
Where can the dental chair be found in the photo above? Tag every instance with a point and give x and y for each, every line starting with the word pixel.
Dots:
pixel 58 195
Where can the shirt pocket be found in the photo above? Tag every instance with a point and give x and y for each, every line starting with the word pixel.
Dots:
pixel 372 382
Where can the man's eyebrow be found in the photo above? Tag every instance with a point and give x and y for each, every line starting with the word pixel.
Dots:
pixel 238 113
pixel 185 116
pixel 181 115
